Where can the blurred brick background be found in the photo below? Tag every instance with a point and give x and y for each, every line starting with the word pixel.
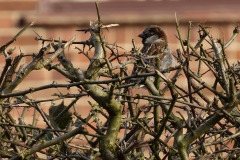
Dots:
pixel 59 18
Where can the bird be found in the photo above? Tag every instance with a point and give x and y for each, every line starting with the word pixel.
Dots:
pixel 155 43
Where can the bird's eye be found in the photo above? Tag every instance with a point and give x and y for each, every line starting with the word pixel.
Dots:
pixel 151 33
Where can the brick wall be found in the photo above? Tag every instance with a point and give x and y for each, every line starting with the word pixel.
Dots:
pixel 56 19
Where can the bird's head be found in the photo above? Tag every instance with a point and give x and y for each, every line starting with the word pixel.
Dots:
pixel 153 33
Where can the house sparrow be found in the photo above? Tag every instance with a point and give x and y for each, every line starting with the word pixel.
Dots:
pixel 155 43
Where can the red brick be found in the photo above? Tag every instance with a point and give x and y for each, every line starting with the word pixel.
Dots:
pixel 5 39
pixel 6 22
pixel 238 55
pixel 18 5
pixel 37 75
pixel 26 40
pixel 116 34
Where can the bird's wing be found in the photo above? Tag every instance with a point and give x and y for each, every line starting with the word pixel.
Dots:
pixel 157 49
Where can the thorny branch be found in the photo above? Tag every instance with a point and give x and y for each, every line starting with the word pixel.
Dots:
pixel 167 122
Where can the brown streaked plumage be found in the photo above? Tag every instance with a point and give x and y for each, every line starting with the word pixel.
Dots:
pixel 155 43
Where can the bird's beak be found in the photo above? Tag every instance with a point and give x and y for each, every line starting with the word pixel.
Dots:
pixel 141 35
